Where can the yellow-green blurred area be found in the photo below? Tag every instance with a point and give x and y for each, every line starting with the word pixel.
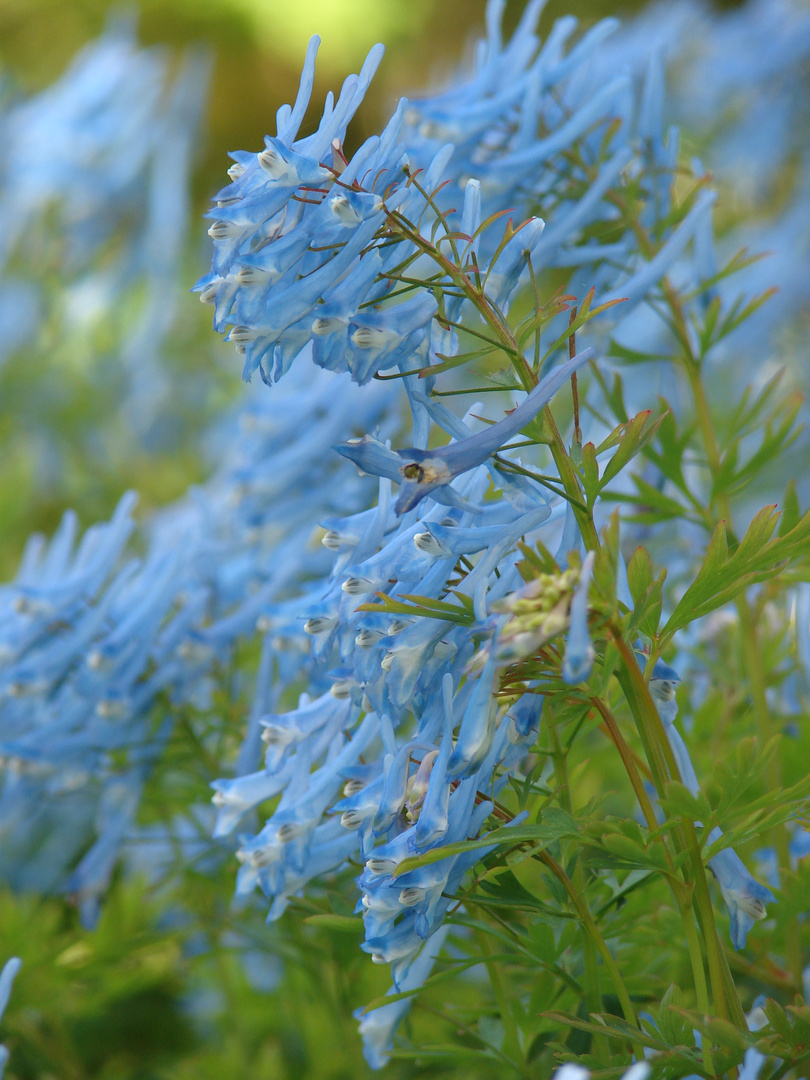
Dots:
pixel 259 48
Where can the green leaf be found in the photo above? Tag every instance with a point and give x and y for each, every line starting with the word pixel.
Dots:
pixel 790 510
pixel 647 593
pixel 671 1023
pixel 678 801
pixel 778 1018
pixel 555 825
pixel 749 415
pixel 710 318
pixel 777 433
pixel 633 854
pixel 433 980
pixel 652 505
pixel 739 314
pixel 537 558
pixel 632 356
pixel 723 575
pixel 543 942
pixel 609 661
pixel 639 575
pixel 606 565
pixel 424 606
pixel 614 395
pixel 672 448
pixel 449 362
pixel 612 1026
pixel 590 472
pixel 637 433
pixel 584 315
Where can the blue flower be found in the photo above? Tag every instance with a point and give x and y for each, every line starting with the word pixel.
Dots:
pixel 744 896
pixel 7 976
pixel 663 683
pixel 638 285
pixel 89 638
pixel 377 1027
pixel 579 652
pixel 430 472
pixel 640 1071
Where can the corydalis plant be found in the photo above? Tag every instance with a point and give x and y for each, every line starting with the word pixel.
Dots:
pixel 484 784
pixel 363 266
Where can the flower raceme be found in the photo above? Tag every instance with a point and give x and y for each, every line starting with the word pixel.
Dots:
pixel 400 623
pixel 90 639
pixel 309 246
pixel 309 253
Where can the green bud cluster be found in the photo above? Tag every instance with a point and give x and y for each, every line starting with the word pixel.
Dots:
pixel 538 613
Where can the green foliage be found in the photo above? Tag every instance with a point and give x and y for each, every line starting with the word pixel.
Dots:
pixel 726 572
pixel 425 606
pixel 579 918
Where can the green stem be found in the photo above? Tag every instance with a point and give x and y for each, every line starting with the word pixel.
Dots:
pixel 751 653
pixel 475 295
pixel 593 992
pixel 511 1037
pixel 705 912
pixel 699 976
pixel 626 755
pixel 528 378
pixel 679 892
pixel 664 767
pixel 568 475
pixel 601 945
pixel 459 1025
pixel 645 714
pixel 773 773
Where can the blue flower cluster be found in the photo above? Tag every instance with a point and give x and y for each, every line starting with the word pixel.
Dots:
pixel 393 613
pixel 94 189
pixel 90 640
pixel 84 144
pixel 306 258
pixel 309 247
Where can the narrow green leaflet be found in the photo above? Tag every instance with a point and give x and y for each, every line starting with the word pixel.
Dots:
pixel 425 606
pixel 555 825
pixel 724 574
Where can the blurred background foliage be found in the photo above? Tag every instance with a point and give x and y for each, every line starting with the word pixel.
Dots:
pixel 174 982
pixel 257 47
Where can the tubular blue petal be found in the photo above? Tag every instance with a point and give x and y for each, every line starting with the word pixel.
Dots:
pixel 579 652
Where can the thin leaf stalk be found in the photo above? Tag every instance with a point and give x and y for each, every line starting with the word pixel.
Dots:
pixel 663 767
pixel 681 894
pixel 511 1036
pixel 528 378
pixel 593 992
pixel 601 945
pixel 751 653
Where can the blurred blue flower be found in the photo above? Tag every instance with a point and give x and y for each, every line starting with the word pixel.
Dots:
pixel 7 976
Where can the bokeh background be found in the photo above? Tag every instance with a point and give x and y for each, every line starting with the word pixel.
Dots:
pixel 173 982
pixel 256 48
